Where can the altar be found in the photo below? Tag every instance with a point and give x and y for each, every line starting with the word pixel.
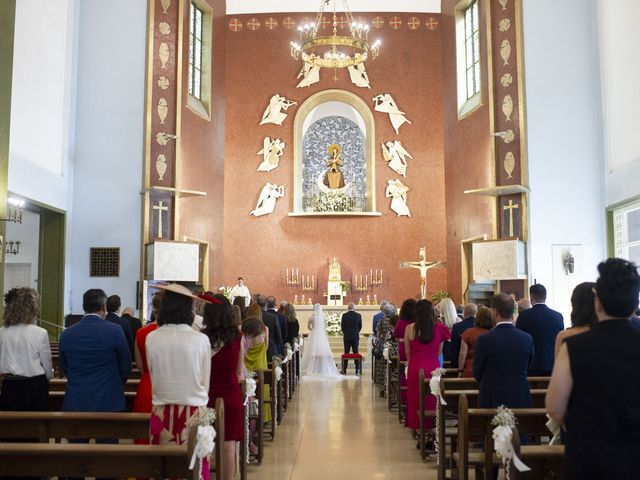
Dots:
pixel 303 313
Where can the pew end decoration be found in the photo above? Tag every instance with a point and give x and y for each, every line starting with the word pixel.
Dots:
pixel 434 387
pixel 505 423
pixel 205 438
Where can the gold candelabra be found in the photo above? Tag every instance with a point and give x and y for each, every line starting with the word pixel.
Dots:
pixel 293 280
pixel 360 283
pixel 308 283
pixel 376 277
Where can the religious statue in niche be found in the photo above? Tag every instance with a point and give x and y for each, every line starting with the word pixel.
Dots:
pixel 271 152
pixel 386 104
pixel 397 191
pixel 358 75
pixel 274 112
pixel 396 156
pixel 333 178
pixel 267 200
pixel 310 74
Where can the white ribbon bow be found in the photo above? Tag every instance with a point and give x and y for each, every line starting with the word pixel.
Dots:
pixel 504 448
pixel 250 389
pixel 278 374
pixel 554 428
pixel 385 353
pixel 296 347
pixel 205 443
pixel 434 386
pixel 289 354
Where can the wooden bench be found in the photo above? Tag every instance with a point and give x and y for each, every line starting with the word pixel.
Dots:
pixel 258 418
pixel 95 460
pixel 56 399
pixel 475 425
pixel 60 385
pixel 545 461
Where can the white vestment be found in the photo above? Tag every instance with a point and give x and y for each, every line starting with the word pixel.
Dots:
pixel 240 291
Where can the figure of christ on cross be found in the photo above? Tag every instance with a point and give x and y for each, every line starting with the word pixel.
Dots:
pixel 423 266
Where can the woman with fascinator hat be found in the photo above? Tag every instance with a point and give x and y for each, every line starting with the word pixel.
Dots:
pixel 179 361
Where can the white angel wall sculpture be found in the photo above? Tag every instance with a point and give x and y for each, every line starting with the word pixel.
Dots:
pixel 358 75
pixel 271 152
pixel 273 113
pixel 396 155
pixel 310 74
pixel 384 103
pixel 267 200
pixel 397 191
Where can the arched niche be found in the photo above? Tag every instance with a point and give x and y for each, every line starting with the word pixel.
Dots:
pixel 354 114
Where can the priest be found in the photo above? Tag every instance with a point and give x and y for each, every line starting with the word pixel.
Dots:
pixel 240 290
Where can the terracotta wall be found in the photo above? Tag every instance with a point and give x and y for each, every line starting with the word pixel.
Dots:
pixel 202 152
pixel 468 154
pixel 410 69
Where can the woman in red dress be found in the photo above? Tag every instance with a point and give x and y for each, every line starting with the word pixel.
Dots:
pixel 142 402
pixel 423 344
pixel 226 373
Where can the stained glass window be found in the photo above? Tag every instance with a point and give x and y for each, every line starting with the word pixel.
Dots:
pixel 472 49
pixel 195 51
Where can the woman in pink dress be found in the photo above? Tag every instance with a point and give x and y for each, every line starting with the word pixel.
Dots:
pixel 407 316
pixel 423 344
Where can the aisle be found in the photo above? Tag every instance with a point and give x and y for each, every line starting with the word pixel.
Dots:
pixel 336 430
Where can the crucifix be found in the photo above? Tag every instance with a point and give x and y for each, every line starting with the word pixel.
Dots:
pixel 423 266
pixel 510 207
pixel 160 207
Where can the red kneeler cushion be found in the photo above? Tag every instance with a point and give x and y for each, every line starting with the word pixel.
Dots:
pixel 351 355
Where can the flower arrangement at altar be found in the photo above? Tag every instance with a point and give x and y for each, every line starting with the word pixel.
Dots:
pixel 226 291
pixel 333 323
pixel 333 202
pixel 345 286
pixel 438 296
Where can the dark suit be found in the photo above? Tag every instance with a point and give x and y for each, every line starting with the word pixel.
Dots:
pixel 351 324
pixel 543 324
pixel 96 360
pixel 126 328
pixel 134 323
pixel 275 336
pixel 500 363
pixel 635 322
pixel 456 338
pixel 282 323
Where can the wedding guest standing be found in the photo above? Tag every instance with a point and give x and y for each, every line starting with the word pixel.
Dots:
pixel 256 337
pixel 293 326
pixel 226 373
pixel 423 344
pixel 583 313
pixel 594 389
pixel 407 316
pixel 143 401
pixel 25 354
pixel 179 360
pixel 483 322
pixel 469 313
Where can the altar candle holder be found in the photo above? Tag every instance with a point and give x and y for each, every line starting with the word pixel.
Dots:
pixel 293 279
pixel 308 283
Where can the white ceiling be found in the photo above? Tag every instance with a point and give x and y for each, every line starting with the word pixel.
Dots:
pixel 237 7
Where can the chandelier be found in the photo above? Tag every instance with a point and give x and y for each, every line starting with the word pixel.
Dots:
pixel 334 51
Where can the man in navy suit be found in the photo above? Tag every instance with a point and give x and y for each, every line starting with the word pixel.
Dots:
pixel 113 315
pixel 351 324
pixel 469 319
pixel 543 324
pixel 270 320
pixel 502 358
pixel 95 358
pixel 282 323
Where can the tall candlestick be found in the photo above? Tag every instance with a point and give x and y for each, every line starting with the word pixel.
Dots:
pixel 287 275
pixel 297 275
pixel 366 281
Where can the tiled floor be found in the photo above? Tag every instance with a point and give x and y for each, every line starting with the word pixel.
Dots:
pixel 336 430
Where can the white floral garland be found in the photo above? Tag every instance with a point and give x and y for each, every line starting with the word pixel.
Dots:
pixel 205 435
pixel 504 421
pixel 250 391
pixel 333 323
pixel 434 386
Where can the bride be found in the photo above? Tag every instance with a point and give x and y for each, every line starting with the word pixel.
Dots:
pixel 317 359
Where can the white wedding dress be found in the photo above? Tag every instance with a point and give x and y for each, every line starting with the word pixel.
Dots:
pixel 317 359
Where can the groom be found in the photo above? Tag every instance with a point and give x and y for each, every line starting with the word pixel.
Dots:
pixel 351 324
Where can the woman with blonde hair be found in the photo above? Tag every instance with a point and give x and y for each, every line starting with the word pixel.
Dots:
pixel 25 354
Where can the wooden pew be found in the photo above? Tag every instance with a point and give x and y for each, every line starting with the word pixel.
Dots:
pixel 60 385
pixel 448 386
pixel 391 390
pixel 401 368
pixel 56 399
pixel 259 417
pixel 44 426
pixel 545 461
pixel 475 425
